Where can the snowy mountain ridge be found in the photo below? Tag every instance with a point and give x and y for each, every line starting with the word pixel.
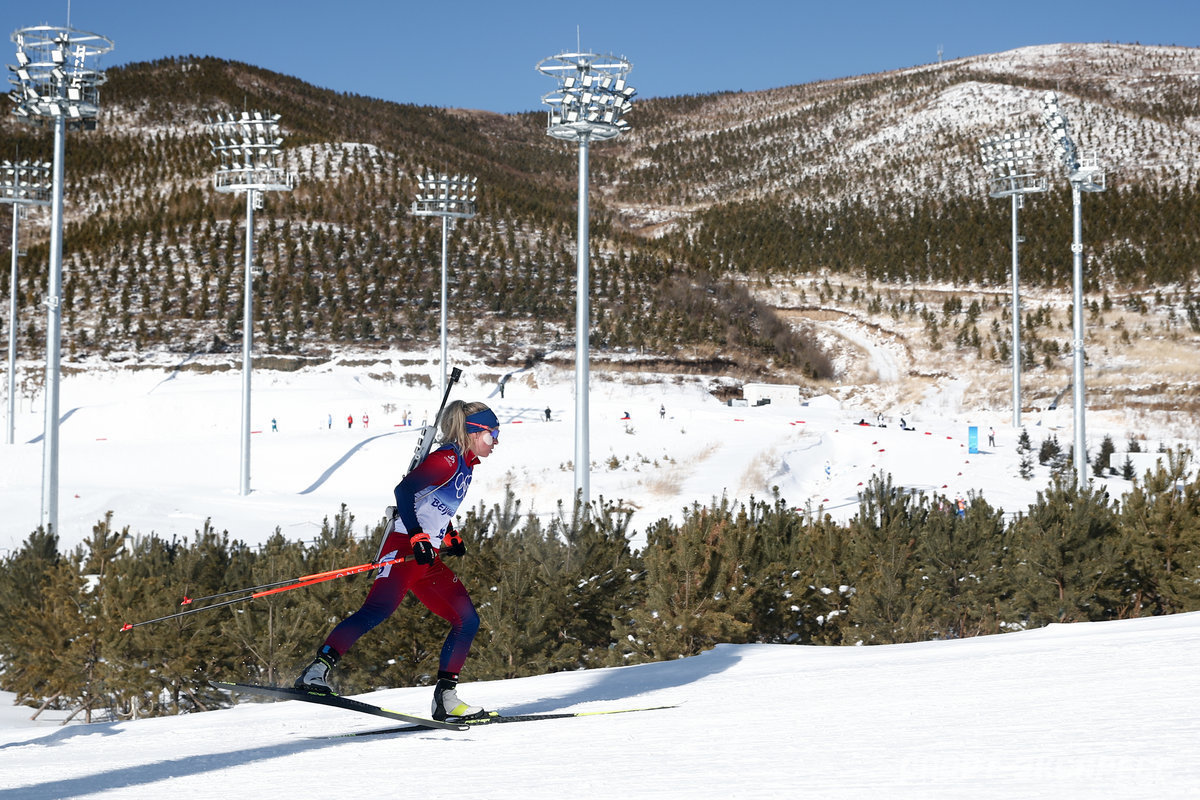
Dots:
pixel 915 132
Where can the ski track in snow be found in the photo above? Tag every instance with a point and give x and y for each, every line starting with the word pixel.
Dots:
pixel 163 456
pixel 1069 711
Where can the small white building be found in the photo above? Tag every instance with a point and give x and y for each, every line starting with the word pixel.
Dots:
pixel 1143 462
pixel 758 393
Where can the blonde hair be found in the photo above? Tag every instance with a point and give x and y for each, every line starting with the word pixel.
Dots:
pixel 454 422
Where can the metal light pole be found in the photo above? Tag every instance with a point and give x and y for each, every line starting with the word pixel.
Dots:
pixel 589 105
pixel 54 84
pixel 450 198
pixel 1085 175
pixel 22 184
pixel 1011 173
pixel 247 145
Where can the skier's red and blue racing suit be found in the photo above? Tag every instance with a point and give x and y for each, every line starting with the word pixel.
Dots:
pixel 426 500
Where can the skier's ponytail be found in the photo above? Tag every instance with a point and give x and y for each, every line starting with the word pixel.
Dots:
pixel 454 422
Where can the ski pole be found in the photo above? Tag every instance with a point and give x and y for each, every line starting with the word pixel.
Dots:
pixel 333 573
pixel 272 588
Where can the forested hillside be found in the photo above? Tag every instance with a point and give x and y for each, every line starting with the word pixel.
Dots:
pixel 874 176
pixel 154 256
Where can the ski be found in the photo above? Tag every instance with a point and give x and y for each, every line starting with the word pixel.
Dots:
pixel 496 719
pixel 288 693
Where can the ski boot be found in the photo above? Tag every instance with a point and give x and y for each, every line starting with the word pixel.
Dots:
pixel 447 705
pixel 315 677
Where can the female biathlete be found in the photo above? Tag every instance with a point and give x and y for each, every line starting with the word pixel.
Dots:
pixel 425 504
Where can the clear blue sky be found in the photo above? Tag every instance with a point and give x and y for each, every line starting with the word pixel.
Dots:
pixel 481 53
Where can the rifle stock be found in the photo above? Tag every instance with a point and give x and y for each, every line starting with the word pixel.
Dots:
pixel 430 431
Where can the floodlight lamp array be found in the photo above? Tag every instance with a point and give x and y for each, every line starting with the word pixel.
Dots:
pixel 1060 131
pixel 51 80
pixel 444 195
pixel 1083 170
pixel 248 146
pixel 1010 161
pixel 592 97
pixel 25 182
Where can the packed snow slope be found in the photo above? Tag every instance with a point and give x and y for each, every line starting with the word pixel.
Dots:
pixel 159 447
pixel 1096 710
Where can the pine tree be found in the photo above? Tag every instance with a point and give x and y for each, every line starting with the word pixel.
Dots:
pixel 600 580
pixel 1025 467
pixel 801 592
pixel 884 564
pixel 62 634
pixel 1049 451
pixel 518 601
pixel 1127 469
pixel 154 667
pixel 280 633
pixel 1162 518
pixel 697 591
pixel 1070 559
pixel 24 577
pixel 962 568
pixel 1100 463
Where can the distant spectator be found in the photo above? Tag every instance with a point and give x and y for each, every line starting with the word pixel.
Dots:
pixel 991 437
pixel 349 420
pixel 547 413
pixel 662 412
pixel 274 426
pixel 366 419
pixel 331 422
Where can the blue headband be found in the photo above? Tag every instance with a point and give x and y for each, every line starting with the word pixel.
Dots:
pixel 484 419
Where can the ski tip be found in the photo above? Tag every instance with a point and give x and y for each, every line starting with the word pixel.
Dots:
pixel 226 686
pixel 126 627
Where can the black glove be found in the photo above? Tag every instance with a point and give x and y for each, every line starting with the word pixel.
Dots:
pixel 453 544
pixel 422 548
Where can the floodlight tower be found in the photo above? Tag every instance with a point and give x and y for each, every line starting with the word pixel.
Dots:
pixel 23 184
pixel 589 105
pixel 1012 173
pixel 247 147
pixel 1085 175
pixel 53 83
pixel 450 198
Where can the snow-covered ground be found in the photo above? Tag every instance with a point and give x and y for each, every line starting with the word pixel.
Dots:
pixel 1097 710
pixel 160 448
pixel 1082 711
